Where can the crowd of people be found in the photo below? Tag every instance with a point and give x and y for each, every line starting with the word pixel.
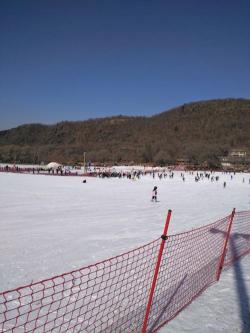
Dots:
pixel 132 173
pixel 129 173
pixel 39 170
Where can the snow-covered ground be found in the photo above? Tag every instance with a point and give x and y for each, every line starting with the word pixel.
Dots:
pixel 51 225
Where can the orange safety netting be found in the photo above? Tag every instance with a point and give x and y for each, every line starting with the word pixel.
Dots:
pixel 111 296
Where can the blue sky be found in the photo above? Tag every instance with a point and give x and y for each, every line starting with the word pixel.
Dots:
pixel 75 60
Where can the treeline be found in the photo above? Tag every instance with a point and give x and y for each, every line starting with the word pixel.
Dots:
pixel 198 132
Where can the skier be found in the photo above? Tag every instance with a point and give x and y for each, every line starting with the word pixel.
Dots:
pixel 154 194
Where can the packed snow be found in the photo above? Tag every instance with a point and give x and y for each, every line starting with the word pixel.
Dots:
pixel 50 225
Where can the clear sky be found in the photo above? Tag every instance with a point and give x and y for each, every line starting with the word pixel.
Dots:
pixel 80 59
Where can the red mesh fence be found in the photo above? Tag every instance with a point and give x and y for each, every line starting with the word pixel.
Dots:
pixel 239 241
pixel 189 265
pixel 107 297
pixel 111 296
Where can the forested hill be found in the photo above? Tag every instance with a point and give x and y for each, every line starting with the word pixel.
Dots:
pixel 199 132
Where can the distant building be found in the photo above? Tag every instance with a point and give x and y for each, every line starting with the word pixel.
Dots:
pixel 183 161
pixel 226 165
pixel 238 153
pixel 237 159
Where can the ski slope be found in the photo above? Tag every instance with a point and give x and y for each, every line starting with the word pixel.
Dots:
pixel 50 225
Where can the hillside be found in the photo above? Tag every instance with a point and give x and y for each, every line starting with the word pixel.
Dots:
pixel 199 132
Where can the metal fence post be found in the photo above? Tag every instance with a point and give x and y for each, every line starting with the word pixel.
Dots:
pixel 157 267
pixel 220 267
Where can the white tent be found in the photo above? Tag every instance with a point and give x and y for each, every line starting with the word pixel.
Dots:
pixel 54 165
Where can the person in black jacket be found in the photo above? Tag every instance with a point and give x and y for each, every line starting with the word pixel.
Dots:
pixel 154 194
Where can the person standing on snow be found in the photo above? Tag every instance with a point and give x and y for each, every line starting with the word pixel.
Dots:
pixel 154 194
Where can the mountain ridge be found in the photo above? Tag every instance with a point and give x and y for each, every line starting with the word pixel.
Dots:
pixel 197 131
